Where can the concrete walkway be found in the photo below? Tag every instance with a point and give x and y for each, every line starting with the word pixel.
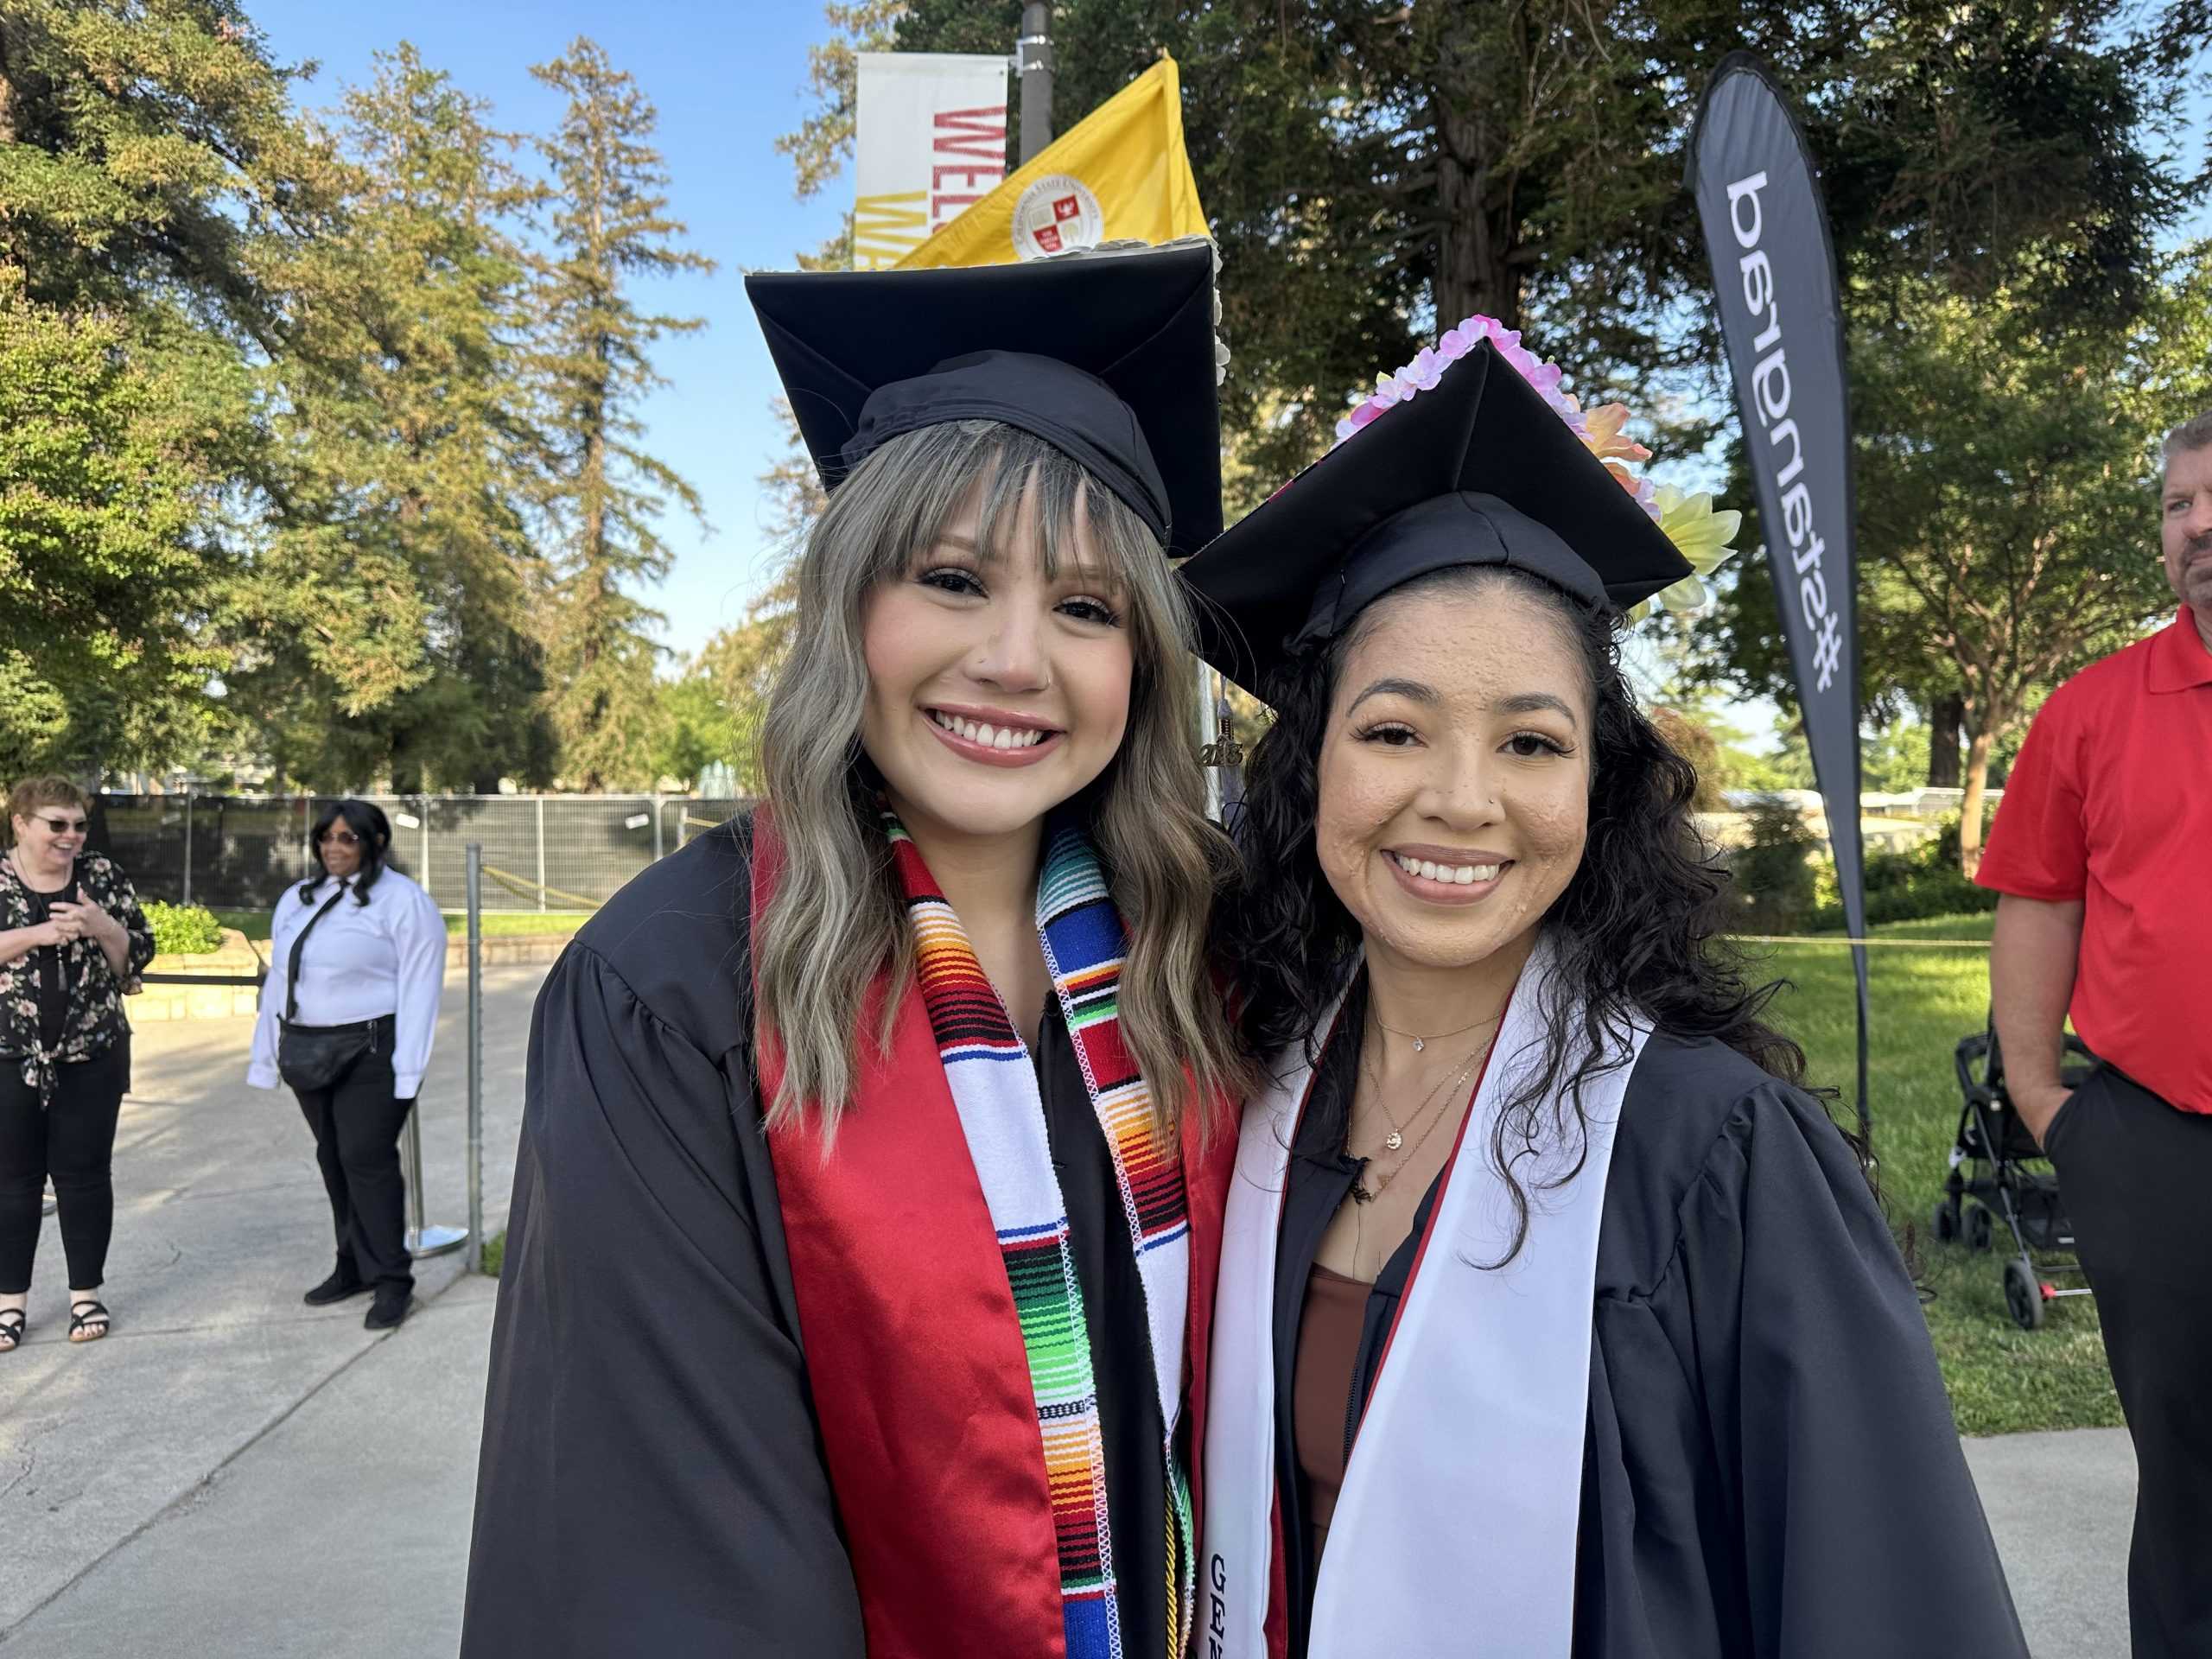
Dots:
pixel 221 1224
pixel 231 1473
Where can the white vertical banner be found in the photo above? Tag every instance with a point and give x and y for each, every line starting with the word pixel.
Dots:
pixel 929 138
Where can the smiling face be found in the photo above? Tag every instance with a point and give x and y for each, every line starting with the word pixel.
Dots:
pixel 340 849
pixel 1454 778
pixel 995 691
pixel 2185 530
pixel 47 837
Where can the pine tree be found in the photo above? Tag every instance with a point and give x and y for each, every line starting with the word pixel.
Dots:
pixel 410 462
pixel 610 225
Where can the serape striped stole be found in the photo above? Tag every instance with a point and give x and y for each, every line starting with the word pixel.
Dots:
pixel 994 1092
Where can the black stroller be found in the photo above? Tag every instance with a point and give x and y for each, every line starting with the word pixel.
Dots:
pixel 1989 1164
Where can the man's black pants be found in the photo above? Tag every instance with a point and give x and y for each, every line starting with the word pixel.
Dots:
pixel 357 1124
pixel 2134 1173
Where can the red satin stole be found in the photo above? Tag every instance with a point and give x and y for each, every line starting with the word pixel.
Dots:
pixel 913 1356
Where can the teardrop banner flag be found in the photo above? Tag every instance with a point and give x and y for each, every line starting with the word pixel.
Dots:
pixel 1758 198
pixel 1119 172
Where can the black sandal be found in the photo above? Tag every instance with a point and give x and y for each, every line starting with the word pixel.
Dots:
pixel 83 1316
pixel 11 1336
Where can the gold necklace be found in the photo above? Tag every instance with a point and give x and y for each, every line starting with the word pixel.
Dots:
pixel 1365 1194
pixel 1396 1139
pixel 1420 1044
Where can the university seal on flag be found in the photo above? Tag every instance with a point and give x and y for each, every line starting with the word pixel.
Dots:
pixel 1055 213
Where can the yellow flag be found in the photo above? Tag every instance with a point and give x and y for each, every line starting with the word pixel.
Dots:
pixel 1119 172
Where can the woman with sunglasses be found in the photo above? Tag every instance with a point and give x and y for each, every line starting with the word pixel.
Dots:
pixel 357 963
pixel 72 941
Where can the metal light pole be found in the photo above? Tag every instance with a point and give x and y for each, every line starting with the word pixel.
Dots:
pixel 1032 55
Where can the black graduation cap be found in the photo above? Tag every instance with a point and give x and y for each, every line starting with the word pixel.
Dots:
pixel 1479 469
pixel 1108 357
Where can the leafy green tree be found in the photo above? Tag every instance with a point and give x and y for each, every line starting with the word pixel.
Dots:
pixel 2007 488
pixel 105 491
pixel 1373 171
pixel 150 166
pixel 407 464
pixel 2007 485
pixel 149 153
pixel 610 225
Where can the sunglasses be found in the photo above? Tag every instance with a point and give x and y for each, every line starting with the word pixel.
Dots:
pixel 343 837
pixel 64 826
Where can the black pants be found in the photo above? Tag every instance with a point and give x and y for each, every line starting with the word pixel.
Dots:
pixel 71 1140
pixel 2134 1173
pixel 357 1124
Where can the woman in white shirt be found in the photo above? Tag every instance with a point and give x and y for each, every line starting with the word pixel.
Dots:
pixel 356 962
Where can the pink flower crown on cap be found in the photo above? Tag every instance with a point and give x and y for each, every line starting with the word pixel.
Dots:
pixel 1700 532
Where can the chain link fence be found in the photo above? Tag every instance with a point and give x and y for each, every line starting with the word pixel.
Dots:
pixel 239 852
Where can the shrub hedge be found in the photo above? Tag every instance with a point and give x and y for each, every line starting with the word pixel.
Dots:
pixel 183 930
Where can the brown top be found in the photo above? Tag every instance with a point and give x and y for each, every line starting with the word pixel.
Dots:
pixel 1328 1347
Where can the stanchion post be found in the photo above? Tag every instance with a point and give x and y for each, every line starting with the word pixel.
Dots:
pixel 476 1240
pixel 422 1239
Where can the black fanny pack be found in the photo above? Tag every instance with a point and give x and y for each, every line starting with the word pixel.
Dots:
pixel 314 1058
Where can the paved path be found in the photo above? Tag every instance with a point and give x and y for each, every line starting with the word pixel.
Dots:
pixel 221 1224
pixel 231 1473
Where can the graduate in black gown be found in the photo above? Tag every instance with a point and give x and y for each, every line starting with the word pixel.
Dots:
pixel 859 1269
pixel 1555 1317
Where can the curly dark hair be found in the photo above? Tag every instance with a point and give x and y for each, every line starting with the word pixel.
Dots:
pixel 1637 932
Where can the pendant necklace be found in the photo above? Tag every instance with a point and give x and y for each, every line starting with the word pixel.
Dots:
pixel 1396 1138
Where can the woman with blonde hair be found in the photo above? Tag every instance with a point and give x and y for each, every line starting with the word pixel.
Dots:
pixel 73 941
pixel 859 1273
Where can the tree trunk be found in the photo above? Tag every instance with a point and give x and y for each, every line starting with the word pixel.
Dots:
pixel 1945 719
pixel 1473 276
pixel 1977 781
pixel 1474 271
pixel 7 85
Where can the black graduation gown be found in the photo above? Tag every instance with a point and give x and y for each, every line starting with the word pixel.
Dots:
pixel 1771 1470
pixel 651 1480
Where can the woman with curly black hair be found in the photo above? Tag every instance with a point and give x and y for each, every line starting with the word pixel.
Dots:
pixel 1554 1318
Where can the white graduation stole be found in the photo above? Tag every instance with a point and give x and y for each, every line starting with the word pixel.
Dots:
pixel 1456 1528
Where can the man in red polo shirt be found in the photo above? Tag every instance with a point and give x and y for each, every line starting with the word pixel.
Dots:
pixel 2103 854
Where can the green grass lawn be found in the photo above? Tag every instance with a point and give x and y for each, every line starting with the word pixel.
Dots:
pixel 498 925
pixel 2002 1378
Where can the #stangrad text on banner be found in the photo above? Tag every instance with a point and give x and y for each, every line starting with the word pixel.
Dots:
pixel 1758 200
pixel 929 141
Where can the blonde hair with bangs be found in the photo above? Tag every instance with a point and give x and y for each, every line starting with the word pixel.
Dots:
pixel 836 921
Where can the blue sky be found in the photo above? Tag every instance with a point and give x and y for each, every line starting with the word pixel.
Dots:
pixel 727 78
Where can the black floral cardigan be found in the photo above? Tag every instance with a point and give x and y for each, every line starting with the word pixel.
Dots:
pixel 95 1022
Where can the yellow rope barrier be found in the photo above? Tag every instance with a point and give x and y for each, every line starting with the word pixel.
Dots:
pixel 524 887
